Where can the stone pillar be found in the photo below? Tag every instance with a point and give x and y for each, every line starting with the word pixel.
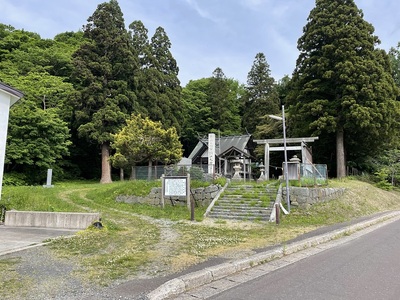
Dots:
pixel 49 177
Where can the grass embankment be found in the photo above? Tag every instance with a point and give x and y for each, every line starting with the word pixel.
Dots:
pixel 140 237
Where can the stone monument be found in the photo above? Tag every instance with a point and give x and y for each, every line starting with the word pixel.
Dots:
pixel 8 96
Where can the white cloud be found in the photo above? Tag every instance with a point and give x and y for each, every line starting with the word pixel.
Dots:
pixel 202 12
pixel 253 4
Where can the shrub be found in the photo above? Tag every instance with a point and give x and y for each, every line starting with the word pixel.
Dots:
pixel 14 179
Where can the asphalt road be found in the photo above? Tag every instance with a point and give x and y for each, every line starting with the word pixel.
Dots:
pixel 365 268
pixel 19 238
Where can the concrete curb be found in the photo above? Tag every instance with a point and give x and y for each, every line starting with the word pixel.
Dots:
pixel 196 279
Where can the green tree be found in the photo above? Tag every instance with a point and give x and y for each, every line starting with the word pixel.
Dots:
pixel 342 88
pixel 140 41
pixel 41 69
pixel 389 163
pixel 394 56
pixel 29 53
pixel 197 113
pixel 37 140
pixel 144 140
pixel 160 92
pixel 261 97
pixel 224 102
pixel 142 79
pixel 104 69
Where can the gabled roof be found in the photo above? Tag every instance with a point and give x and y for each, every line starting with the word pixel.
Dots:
pixel 15 94
pixel 233 152
pixel 222 146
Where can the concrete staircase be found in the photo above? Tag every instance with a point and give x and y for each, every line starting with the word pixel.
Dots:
pixel 247 202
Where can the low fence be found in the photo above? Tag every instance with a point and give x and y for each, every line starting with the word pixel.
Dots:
pixel 306 174
pixel 198 172
pixel 313 174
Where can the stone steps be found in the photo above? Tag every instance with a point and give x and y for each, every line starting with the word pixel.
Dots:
pixel 244 202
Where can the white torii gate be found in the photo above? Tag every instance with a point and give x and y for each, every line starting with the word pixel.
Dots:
pixel 303 147
pixel 8 96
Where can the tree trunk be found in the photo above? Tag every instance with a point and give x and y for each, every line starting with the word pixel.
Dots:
pixel 149 170
pixel 105 164
pixel 121 174
pixel 340 154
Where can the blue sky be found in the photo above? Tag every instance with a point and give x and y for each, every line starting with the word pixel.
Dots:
pixel 206 34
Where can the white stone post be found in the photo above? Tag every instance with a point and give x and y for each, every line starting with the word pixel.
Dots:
pixel 49 177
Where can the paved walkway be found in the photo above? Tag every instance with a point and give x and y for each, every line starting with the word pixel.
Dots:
pixel 19 238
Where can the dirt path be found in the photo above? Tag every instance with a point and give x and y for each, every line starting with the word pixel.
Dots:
pixel 162 251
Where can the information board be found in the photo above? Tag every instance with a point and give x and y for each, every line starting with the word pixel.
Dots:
pixel 175 186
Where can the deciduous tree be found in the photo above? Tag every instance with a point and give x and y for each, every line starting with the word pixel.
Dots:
pixel 144 140
pixel 37 139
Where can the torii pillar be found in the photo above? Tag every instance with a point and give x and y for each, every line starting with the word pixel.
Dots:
pixel 8 96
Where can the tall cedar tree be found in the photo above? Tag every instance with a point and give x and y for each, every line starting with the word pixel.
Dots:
pixel 104 69
pixel 141 44
pixel 394 56
pixel 159 90
pixel 343 89
pixel 224 104
pixel 261 97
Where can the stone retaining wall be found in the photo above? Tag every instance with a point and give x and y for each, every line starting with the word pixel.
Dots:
pixel 202 196
pixel 305 197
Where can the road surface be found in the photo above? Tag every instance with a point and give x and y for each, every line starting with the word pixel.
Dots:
pixel 365 268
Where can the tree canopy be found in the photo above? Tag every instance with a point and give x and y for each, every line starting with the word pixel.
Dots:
pixel 143 140
pixel 37 140
pixel 342 88
pixel 224 102
pixel 261 95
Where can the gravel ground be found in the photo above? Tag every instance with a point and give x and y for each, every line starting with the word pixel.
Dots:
pixel 47 277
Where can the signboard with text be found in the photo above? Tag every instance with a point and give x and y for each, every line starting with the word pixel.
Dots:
pixel 211 153
pixel 175 186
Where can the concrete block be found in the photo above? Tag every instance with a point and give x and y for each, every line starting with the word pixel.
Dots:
pixel 50 219
pixel 170 288
pixel 197 279
pixel 222 270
